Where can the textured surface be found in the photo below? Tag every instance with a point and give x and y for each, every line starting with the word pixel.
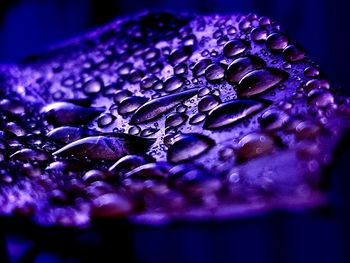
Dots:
pixel 166 117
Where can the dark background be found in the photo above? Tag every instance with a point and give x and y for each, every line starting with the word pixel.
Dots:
pixel 322 26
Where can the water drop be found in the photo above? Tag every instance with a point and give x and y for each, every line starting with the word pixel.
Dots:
pixel 157 171
pixel 200 66
pixel 320 98
pixel 156 107
pixel 131 104
pixel 187 175
pixel 312 72
pixel 111 205
pixel 124 69
pixel 149 82
pixel 215 72
pixel 93 86
pixel 121 95
pixel 293 53
pixel 135 76
pixel 105 120
pixel 234 48
pixel 128 163
pixel 134 130
pixel 197 118
pixel 207 103
pixel 173 83
pixel 258 35
pixel 178 56
pixel 13 106
pixel 67 134
pixel 175 119
pixel 241 66
pixel 30 155
pixel 273 119
pixel 188 146
pixel 254 145
pixel 105 147
pixel 277 42
pixel 260 80
pixel 65 113
pixel 233 111
pixel 148 131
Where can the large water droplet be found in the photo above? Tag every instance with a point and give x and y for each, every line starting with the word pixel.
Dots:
pixel 93 86
pixel 197 118
pixel 68 134
pixel 105 120
pixel 258 34
pixel 159 170
pixel 260 80
pixel 320 98
pixel 312 72
pixel 187 175
pixel 188 146
pixel 121 95
pixel 254 145
pixel 200 66
pixel 178 56
pixel 173 83
pixel 13 106
pixel 65 113
pixel 234 48
pixel 105 147
pixel 175 119
pixel 149 82
pixel 131 104
pixel 208 102
pixel 273 119
pixel 30 155
pixel 293 53
pixel 215 72
pixel 111 205
pixel 277 42
pixel 241 66
pixel 135 76
pixel 128 163
pixel 156 107
pixel 233 111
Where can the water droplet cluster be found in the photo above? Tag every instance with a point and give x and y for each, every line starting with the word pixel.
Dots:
pixel 179 116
